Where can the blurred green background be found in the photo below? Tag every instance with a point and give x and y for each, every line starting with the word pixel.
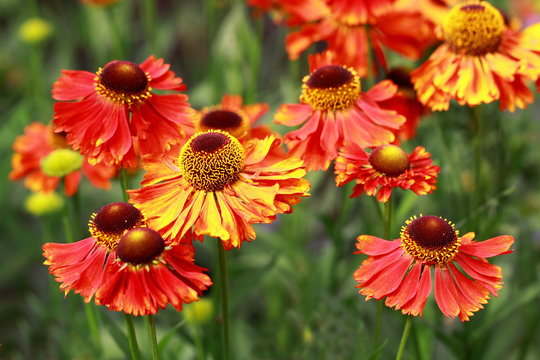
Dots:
pixel 292 292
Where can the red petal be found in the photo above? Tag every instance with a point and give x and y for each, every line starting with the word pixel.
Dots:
pixel 496 246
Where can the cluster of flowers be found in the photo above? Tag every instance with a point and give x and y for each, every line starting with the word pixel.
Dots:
pixel 213 172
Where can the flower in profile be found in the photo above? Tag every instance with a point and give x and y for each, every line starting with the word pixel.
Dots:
pixel 42 160
pixel 347 25
pixel 385 168
pixel 112 114
pixel 405 103
pixel 401 270
pixel 334 111
pixel 148 275
pixel 126 265
pixel 219 186
pixel 235 118
pixel 480 61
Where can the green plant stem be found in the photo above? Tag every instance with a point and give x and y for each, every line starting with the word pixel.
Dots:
pixel 149 11
pixel 198 343
pixel 152 335
pixel 133 346
pixel 406 331
pixel 478 195
pixel 387 222
pixel 387 218
pixel 124 182
pixel 224 298
pixel 66 221
pixel 93 323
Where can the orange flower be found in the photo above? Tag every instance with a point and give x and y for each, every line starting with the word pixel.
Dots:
pixel 115 112
pixel 345 26
pixel 31 148
pixel 126 265
pixel 385 168
pixel 480 61
pixel 219 187
pixel 335 111
pixel 401 270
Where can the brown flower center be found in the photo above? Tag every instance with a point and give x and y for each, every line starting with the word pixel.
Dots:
pixel 211 160
pixel 430 239
pixel 140 246
pixel 331 87
pixel 112 220
pixel 389 160
pixel 473 28
pixel 235 123
pixel 123 82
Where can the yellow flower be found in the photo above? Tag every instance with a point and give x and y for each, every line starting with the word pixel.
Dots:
pixel 199 312
pixel 61 162
pixel 40 203
pixel 35 30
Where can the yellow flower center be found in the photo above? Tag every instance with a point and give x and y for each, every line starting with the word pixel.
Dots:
pixel 112 221
pixel 140 246
pixel 40 203
pixel 331 87
pixel 211 160
pixel 390 160
pixel 473 28
pixel 235 123
pixel 61 162
pixel 430 239
pixel 123 82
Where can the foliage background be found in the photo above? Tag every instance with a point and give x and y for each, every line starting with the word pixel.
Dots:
pixel 293 296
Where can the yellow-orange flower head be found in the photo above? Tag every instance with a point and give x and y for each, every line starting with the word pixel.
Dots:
pixel 235 122
pixel 123 82
pixel 473 28
pixel 390 160
pixel 331 87
pixel 430 239
pixel 112 221
pixel 211 160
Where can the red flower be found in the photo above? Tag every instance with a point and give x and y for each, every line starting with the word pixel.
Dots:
pixel 401 270
pixel 115 113
pixel 346 25
pixel 31 148
pixel 147 275
pixel 405 103
pixel 127 265
pixel 335 111
pixel 386 168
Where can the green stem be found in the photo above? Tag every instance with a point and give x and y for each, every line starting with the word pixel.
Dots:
pixel 224 298
pixel 404 337
pixel 153 338
pixel 149 11
pixel 124 182
pixel 133 346
pixel 198 343
pixel 387 222
pixel 66 221
pixel 387 218
pixel 93 324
